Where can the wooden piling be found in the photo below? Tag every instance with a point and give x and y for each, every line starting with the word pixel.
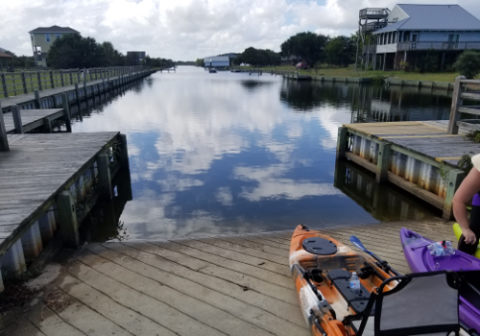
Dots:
pixel 67 218
pixel 456 102
pixel 454 178
pixel 104 176
pixel 66 112
pixel 382 162
pixel 4 147
pixel 342 143
pixel 123 151
pixel 17 119
pixel 37 99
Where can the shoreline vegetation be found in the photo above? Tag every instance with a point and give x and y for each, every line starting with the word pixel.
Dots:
pixel 447 77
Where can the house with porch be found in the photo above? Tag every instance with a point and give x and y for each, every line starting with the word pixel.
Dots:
pixel 411 30
pixel 42 39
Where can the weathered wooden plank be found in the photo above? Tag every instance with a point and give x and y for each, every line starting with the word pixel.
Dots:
pixel 146 253
pixel 204 294
pixel 208 314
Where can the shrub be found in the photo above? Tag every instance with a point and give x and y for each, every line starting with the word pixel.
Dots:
pixel 370 68
pixel 404 66
pixel 468 64
pixel 378 80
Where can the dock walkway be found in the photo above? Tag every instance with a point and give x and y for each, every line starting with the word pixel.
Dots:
pixel 212 285
pixel 32 119
pixel 417 156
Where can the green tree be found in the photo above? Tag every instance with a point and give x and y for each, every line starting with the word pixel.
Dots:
pixel 199 62
pixel 340 51
pixel 258 57
pixel 75 51
pixel 468 64
pixel 307 45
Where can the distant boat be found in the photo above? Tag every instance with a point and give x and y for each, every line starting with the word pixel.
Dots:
pixel 212 70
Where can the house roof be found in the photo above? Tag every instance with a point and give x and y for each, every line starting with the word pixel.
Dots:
pixel 53 29
pixel 4 55
pixel 434 17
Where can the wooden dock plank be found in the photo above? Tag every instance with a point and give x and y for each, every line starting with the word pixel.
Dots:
pixel 31 119
pixel 180 287
pixel 47 162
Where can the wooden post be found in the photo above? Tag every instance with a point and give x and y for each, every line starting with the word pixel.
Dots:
pixel 47 124
pixel 4 147
pixel 67 219
pixel 17 119
pixel 77 93
pixel 342 142
pixel 456 103
pixel 66 112
pixel 39 78
pixel 32 242
pixel 104 176
pixel 61 78
pixel 455 177
pixel 24 82
pixel 4 85
pixel 382 163
pixel 51 79
pixel 71 77
pixel 2 286
pixel 37 99
pixel 123 151
pixel 13 261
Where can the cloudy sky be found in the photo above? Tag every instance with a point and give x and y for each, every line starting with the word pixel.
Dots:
pixel 188 29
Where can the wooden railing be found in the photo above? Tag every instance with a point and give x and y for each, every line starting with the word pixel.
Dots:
pixel 464 89
pixel 405 46
pixel 15 83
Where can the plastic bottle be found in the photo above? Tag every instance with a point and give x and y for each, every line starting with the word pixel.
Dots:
pixel 442 248
pixel 354 283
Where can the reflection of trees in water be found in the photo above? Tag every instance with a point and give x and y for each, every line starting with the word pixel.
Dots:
pixel 305 96
pixel 251 85
pixel 368 103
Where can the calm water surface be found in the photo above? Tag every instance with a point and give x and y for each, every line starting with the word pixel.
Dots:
pixel 233 153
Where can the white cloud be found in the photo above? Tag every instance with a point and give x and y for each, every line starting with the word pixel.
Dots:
pixel 188 29
pixel 224 196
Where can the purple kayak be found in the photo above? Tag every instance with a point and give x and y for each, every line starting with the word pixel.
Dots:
pixel 420 260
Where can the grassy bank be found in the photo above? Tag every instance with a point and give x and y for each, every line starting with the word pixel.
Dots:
pixel 350 72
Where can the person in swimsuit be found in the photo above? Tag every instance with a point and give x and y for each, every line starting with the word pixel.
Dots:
pixel 470 188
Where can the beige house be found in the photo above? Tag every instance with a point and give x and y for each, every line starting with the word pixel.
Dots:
pixel 42 39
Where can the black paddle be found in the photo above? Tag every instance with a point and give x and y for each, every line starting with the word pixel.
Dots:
pixel 358 244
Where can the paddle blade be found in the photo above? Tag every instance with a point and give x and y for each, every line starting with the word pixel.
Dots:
pixel 358 244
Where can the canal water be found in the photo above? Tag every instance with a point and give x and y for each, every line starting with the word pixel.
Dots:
pixel 234 153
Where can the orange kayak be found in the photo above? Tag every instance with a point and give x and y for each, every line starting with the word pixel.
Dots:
pixel 321 269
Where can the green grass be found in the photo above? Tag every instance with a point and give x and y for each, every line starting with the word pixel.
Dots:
pixel 350 72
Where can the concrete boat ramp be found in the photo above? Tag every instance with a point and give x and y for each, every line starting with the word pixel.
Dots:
pixel 213 285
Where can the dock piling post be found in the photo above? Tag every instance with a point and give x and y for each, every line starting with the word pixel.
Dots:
pixel 77 93
pixel 342 142
pixel 104 176
pixel 32 242
pixel 4 147
pixel 455 177
pixel 66 112
pixel 37 99
pixel 17 119
pixel 123 151
pixel 67 218
pixel 382 162
pixel 2 286
pixel 13 261
pixel 456 102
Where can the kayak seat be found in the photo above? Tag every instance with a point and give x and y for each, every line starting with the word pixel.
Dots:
pixel 419 304
pixel 341 280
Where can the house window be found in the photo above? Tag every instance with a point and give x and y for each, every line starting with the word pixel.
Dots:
pixel 47 37
pixel 58 36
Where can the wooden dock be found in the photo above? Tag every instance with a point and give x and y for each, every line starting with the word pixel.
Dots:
pixel 50 181
pixel 222 285
pixel 419 157
pixel 33 119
